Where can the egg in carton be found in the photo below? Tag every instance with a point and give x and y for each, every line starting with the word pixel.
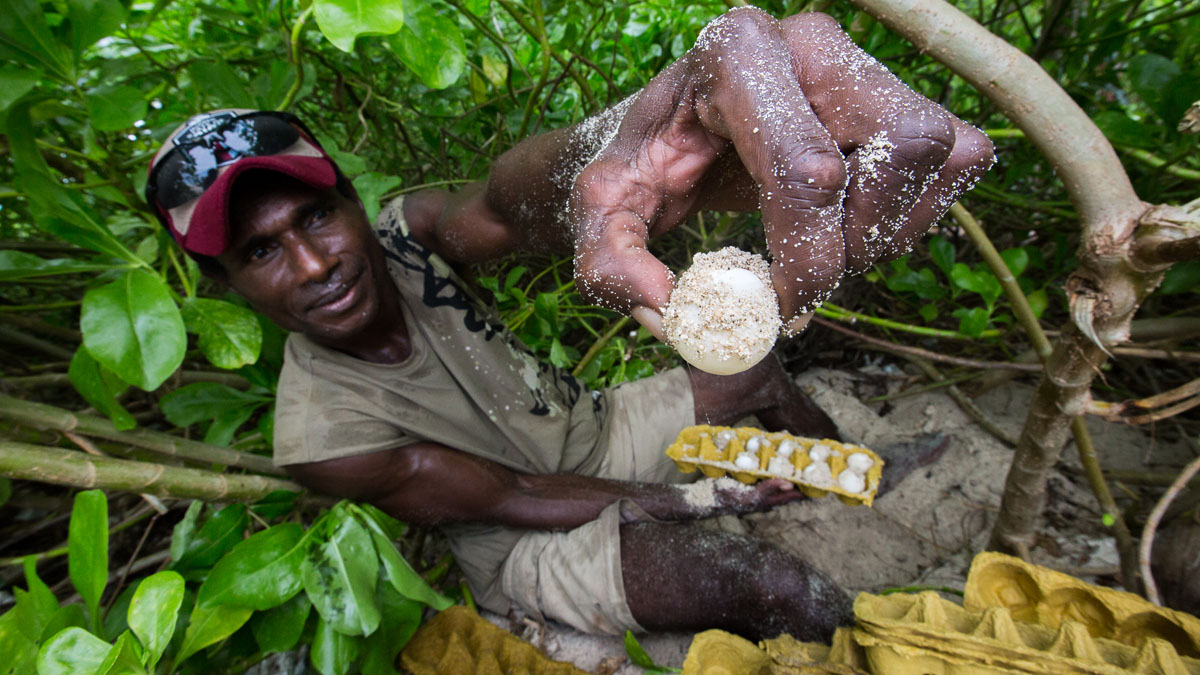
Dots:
pixel 817 466
pixel 905 634
pixel 1037 594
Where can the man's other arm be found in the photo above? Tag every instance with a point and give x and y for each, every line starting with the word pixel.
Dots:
pixel 430 484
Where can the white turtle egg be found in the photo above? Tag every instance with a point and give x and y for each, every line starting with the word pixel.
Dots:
pixel 787 447
pixel 723 316
pixel 781 466
pixel 746 461
pixel 859 462
pixel 818 474
pixel 851 482
pixel 819 453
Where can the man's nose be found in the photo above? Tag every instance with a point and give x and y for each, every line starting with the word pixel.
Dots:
pixel 312 262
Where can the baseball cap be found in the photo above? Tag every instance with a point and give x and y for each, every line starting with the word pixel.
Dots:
pixel 192 175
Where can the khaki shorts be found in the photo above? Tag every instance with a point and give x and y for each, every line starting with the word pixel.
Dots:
pixel 575 577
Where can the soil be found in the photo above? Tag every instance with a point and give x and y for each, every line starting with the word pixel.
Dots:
pixel 927 529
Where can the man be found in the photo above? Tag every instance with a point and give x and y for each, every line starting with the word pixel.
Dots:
pixel 556 499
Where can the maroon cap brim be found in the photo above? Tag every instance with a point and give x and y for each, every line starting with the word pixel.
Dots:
pixel 207 233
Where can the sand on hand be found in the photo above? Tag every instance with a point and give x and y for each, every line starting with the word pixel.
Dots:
pixel 723 316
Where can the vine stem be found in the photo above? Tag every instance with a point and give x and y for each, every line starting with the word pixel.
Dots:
pixel 925 353
pixel 297 29
pixel 599 344
pixel 1152 522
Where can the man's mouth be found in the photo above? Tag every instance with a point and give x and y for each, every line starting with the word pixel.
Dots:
pixel 339 297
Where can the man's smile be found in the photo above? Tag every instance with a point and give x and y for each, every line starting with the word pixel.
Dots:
pixel 340 295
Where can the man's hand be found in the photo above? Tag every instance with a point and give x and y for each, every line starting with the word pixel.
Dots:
pixel 847 164
pixel 762 496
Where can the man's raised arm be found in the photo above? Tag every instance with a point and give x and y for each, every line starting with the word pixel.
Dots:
pixel 847 164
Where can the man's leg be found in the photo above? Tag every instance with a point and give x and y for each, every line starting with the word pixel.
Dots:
pixel 681 577
pixel 765 391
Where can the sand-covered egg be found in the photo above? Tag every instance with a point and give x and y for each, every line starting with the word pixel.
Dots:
pixel 723 316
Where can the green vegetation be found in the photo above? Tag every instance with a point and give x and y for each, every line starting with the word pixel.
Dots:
pixel 425 93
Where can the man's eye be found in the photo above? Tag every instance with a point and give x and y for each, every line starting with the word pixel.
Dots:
pixel 320 215
pixel 257 253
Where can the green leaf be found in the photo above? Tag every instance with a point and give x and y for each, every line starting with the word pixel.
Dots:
pixel 275 505
pixel 1016 259
pixel 71 652
pixel 371 188
pixel 15 83
pixel 17 265
pixel 205 400
pixel 1038 302
pixel 25 38
pixel 1120 128
pixel 972 321
pixel 100 387
pixel 60 212
pixel 640 658
pixel 278 629
pixel 494 69
pixel 1150 75
pixel 132 327
pixel 332 652
pixel 92 20
pixel 401 618
pixel 230 336
pixel 402 576
pixel 210 625
pixel 942 252
pixel 87 550
pixel 260 572
pixel 342 21
pixel 1183 277
pixel 181 535
pixel 339 575
pixel 431 45
pixel 18 654
pixel 124 658
pixel 928 311
pixel 215 538
pixel 115 108
pixel 223 82
pixel 350 163
pixel 66 617
pixel 153 612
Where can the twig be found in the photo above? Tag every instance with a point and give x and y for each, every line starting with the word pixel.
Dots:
pixel 297 29
pixel 46 464
pixel 90 448
pixel 41 416
pixel 1141 352
pixel 21 339
pixel 1152 525
pixel 183 377
pixel 926 354
pixel 129 566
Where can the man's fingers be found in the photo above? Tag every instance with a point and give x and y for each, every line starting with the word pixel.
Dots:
pixel 906 164
pixel 749 92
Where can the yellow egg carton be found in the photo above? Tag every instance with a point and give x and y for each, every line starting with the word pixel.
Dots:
pixel 715 451
pixel 1037 594
pixel 715 652
pixel 904 634
pixel 459 641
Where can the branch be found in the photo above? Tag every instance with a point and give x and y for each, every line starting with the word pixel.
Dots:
pixel 40 416
pixel 1160 252
pixel 47 464
pixel 1152 524
pixel 917 352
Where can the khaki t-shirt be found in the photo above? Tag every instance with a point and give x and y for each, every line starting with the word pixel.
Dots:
pixel 468 384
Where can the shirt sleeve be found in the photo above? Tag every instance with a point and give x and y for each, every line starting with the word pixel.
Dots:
pixel 317 419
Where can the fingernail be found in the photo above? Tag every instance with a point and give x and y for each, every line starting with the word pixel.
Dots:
pixel 649 318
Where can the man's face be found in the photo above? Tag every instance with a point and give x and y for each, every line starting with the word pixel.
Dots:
pixel 307 259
